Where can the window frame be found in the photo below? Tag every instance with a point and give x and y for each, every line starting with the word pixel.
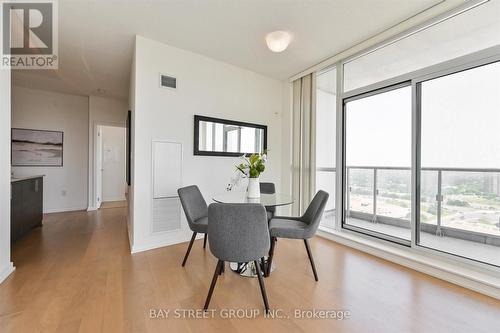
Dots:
pixel 470 64
pixel 344 208
pixel 476 59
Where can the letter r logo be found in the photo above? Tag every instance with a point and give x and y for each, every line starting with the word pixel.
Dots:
pixel 27 28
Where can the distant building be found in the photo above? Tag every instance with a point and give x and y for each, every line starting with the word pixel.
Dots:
pixel 492 183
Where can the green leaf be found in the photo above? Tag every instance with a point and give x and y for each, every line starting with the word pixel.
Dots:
pixel 254 173
pixel 253 165
pixel 241 169
pixel 254 158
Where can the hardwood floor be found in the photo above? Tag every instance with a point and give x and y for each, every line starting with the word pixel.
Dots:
pixel 76 274
pixel 113 204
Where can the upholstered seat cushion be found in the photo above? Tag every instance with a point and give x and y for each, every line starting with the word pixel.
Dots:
pixel 238 232
pixel 195 208
pixel 287 228
pixel 200 225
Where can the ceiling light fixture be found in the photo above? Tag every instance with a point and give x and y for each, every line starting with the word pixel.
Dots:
pixel 278 41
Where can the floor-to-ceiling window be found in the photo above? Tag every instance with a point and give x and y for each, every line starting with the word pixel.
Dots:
pixel 460 163
pixel 377 154
pixel 326 100
pixel 421 145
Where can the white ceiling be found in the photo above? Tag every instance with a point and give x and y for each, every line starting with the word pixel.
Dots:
pixel 96 36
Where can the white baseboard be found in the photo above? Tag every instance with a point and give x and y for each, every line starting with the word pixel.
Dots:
pixel 129 232
pixel 130 240
pixel 6 271
pixel 478 281
pixel 64 209
pixel 163 243
pixel 111 199
pixel 91 208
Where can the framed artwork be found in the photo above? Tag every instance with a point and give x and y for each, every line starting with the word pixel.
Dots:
pixel 32 147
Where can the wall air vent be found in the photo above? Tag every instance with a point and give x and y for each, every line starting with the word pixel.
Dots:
pixel 167 81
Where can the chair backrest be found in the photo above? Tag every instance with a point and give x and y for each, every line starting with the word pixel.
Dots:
pixel 267 188
pixel 238 232
pixel 193 203
pixel 314 212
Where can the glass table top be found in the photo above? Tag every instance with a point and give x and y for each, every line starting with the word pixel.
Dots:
pixel 267 200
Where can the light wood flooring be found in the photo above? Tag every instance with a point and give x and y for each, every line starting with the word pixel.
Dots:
pixel 113 204
pixel 76 274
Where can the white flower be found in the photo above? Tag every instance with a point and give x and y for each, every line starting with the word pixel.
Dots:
pixel 234 181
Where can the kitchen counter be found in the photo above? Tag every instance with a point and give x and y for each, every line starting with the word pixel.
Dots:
pixel 26 205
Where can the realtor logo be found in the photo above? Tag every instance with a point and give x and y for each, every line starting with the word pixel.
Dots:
pixel 29 34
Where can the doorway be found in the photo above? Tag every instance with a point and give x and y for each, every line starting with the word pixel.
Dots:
pixel 110 166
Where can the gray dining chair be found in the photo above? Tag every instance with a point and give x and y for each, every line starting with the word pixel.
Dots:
pixel 303 227
pixel 196 212
pixel 268 188
pixel 238 233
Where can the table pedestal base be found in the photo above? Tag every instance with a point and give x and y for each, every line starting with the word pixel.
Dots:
pixel 247 269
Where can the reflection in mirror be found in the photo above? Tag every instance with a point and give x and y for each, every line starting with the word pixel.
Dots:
pixel 228 138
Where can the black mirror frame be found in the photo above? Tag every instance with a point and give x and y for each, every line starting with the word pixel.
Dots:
pixel 197 120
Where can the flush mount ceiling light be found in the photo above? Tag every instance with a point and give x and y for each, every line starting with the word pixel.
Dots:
pixel 278 41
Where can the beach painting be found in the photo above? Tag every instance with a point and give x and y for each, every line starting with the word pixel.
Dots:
pixel 37 147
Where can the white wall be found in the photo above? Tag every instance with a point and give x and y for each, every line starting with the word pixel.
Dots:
pixel 65 188
pixel 113 163
pixel 102 111
pixel 6 266
pixel 205 87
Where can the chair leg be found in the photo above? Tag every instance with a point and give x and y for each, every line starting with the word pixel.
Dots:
pixel 270 259
pixel 189 249
pixel 262 286
pixel 222 268
pixel 309 254
pixel 205 241
pixel 212 285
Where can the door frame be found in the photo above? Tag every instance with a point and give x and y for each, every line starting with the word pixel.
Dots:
pixel 93 205
pixel 6 265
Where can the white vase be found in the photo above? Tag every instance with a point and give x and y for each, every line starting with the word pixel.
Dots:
pixel 253 188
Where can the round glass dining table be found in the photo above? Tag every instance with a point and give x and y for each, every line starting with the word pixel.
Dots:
pixel 248 269
pixel 267 200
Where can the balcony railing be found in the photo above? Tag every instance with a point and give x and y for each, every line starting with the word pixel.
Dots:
pixel 457 202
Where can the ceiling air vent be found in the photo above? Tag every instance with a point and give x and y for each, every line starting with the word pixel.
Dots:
pixel 168 81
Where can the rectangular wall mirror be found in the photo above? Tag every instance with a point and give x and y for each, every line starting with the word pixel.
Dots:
pixel 222 137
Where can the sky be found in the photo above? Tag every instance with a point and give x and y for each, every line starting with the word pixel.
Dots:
pixel 460 124
pixel 461 119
